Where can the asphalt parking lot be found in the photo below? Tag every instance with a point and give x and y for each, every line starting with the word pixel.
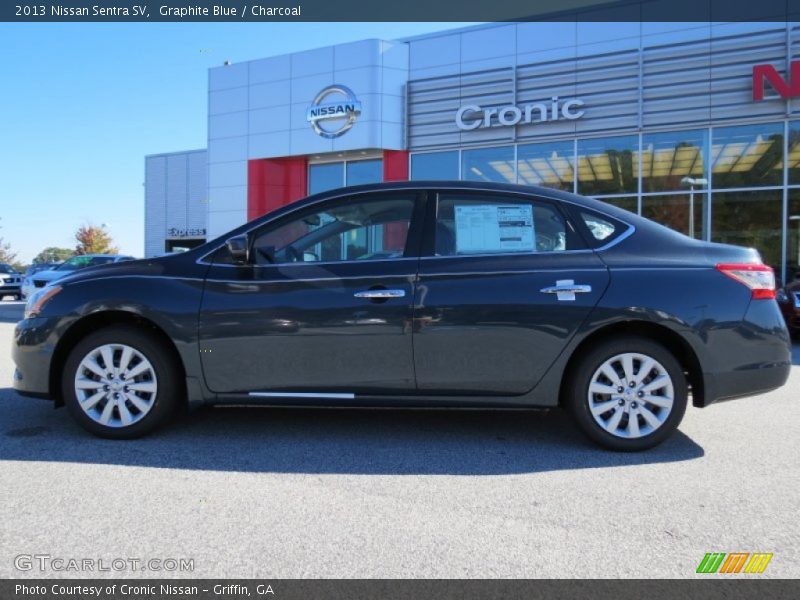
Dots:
pixel 257 492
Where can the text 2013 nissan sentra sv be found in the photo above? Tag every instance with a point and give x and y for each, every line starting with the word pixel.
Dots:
pixel 416 294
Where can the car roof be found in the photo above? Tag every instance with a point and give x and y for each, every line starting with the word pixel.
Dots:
pixel 102 255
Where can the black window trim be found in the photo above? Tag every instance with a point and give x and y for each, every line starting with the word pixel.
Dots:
pixel 423 190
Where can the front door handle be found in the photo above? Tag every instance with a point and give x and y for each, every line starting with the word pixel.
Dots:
pixel 380 294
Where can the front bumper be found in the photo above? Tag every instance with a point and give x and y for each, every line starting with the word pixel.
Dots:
pixel 9 288
pixel 32 352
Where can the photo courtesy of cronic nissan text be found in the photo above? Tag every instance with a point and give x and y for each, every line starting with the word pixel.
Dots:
pixel 424 301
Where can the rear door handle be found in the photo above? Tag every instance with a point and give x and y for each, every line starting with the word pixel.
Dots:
pixel 573 289
pixel 566 289
pixel 380 294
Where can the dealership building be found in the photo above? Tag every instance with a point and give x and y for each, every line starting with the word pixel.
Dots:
pixel 694 125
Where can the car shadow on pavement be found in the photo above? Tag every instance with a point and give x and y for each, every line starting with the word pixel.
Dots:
pixel 329 441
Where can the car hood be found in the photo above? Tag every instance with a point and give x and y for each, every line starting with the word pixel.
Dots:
pixel 147 266
pixel 48 275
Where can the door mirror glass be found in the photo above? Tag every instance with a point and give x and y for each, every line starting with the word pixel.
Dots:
pixel 238 248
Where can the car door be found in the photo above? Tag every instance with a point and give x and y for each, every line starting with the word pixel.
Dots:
pixel 505 281
pixel 323 306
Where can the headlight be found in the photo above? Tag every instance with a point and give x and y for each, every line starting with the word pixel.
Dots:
pixel 39 298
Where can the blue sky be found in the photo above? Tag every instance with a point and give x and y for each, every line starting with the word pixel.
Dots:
pixel 81 105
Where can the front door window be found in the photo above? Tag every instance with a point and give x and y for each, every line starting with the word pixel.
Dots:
pixel 361 230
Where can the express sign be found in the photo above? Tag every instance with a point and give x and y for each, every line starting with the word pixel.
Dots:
pixel 785 89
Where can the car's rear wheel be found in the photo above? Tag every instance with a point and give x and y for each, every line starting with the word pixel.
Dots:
pixel 120 382
pixel 627 394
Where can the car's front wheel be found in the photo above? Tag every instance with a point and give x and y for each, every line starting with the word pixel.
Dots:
pixel 120 382
pixel 628 393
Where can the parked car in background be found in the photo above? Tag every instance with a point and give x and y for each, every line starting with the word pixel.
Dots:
pixel 789 301
pixel 42 278
pixel 417 294
pixel 37 267
pixel 10 282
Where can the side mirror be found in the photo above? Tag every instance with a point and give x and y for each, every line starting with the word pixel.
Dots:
pixel 238 246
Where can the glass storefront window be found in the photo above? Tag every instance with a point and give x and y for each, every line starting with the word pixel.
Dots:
pixel 685 213
pixel 324 177
pixel 747 155
pixel 549 165
pixel 488 164
pixel 793 237
pixel 669 157
pixel 608 166
pixel 435 165
pixel 794 152
pixel 628 203
pixel 751 219
pixel 364 171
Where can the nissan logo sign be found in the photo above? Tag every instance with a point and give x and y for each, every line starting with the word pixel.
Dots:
pixel 334 111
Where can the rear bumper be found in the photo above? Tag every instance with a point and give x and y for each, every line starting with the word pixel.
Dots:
pixel 32 352
pixel 754 357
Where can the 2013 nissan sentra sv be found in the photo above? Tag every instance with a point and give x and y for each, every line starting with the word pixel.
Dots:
pixel 416 294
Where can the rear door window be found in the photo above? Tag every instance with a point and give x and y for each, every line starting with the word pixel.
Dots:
pixel 474 224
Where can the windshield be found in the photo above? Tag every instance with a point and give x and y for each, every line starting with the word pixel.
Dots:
pixel 80 262
pixel 6 269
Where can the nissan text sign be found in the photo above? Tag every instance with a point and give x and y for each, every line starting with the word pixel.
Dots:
pixel 785 89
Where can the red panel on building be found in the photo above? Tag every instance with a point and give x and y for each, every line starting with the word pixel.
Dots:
pixel 395 165
pixel 275 182
pixel 395 168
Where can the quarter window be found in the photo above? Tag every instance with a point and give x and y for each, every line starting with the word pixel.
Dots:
pixel 469 225
pixel 602 229
pixel 361 230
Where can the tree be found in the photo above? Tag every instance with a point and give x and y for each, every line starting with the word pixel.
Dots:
pixel 94 240
pixel 53 254
pixel 6 255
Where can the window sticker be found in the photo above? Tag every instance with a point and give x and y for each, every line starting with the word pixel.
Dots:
pixel 482 228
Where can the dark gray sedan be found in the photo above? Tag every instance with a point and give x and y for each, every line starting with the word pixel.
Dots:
pixel 419 294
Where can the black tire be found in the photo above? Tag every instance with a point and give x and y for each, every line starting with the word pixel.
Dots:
pixel 167 370
pixel 577 390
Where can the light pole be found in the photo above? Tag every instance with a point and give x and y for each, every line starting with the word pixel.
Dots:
pixel 691 182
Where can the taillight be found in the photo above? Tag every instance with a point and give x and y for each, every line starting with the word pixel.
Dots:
pixel 759 278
